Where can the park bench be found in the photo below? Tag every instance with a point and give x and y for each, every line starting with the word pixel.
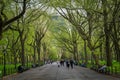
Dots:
pixel 21 68
pixel 94 67
pixel 34 65
pixel 101 69
pixel 105 71
pixel 83 65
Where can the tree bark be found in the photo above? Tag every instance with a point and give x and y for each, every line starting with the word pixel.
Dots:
pixel 22 48
pixel 107 33
pixel 101 53
pixel 85 51
pixel 38 50
pixel 34 56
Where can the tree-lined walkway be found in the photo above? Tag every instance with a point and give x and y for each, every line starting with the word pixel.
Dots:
pixel 52 72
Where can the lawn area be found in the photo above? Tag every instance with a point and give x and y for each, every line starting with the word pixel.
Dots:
pixel 10 69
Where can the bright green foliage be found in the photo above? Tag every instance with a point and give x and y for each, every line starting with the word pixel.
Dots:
pixel 62 26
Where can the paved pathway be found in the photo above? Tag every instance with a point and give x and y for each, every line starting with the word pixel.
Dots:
pixel 53 72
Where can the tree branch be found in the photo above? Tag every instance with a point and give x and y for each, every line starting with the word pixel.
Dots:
pixel 16 17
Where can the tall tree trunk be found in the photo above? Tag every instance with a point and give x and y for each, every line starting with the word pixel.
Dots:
pixel 116 40
pixel 107 33
pixel 101 53
pixel 75 51
pixel 85 51
pixel 22 50
pixel 15 60
pixel 44 51
pixel 1 25
pixel 94 58
pixel 117 51
pixel 38 50
pixel 34 56
pixel 107 42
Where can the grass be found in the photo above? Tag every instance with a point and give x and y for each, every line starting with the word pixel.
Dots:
pixel 10 68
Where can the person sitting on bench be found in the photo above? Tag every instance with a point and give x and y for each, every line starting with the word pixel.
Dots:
pixel 102 68
pixel 83 64
pixel 20 68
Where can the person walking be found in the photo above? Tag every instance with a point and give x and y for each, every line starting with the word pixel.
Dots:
pixel 67 64
pixel 71 63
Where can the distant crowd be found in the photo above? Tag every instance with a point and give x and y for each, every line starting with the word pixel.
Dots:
pixel 67 63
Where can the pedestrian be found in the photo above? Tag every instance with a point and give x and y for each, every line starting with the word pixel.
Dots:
pixel 62 62
pixel 67 64
pixel 71 63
